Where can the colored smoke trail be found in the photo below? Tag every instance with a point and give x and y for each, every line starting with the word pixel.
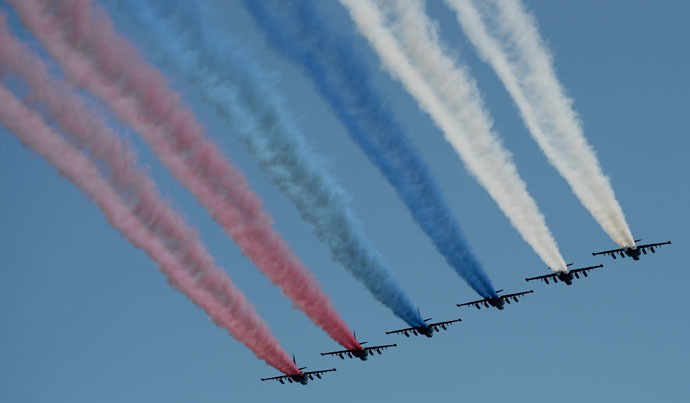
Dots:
pixel 182 37
pixel 297 31
pixel 200 280
pixel 82 39
pixel 411 51
pixel 520 58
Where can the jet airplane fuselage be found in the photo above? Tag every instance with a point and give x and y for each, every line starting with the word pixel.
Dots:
pixel 361 354
pixel 565 277
pixel 497 302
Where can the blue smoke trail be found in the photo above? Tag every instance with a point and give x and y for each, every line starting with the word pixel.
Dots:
pixel 182 38
pixel 295 28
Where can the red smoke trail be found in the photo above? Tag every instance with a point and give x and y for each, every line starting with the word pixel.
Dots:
pixel 83 41
pixel 209 288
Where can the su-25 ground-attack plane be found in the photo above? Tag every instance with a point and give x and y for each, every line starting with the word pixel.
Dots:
pixel 361 353
pixel 565 276
pixel 498 302
pixel 426 330
pixel 632 252
pixel 302 377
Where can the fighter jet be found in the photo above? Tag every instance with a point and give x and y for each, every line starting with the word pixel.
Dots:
pixel 426 330
pixel 565 276
pixel 361 353
pixel 302 377
pixel 632 252
pixel 497 302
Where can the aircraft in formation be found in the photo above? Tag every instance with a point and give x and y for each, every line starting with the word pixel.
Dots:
pixel 426 330
pixel 361 353
pixel 632 252
pixel 564 276
pixel 497 302
pixel 302 377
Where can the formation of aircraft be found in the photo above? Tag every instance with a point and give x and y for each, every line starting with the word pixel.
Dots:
pixel 566 277
pixel 496 302
pixel 635 252
pixel 302 377
pixel 361 353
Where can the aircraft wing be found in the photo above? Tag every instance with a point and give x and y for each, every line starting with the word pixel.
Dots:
pixel 443 325
pixel 378 349
pixel 611 252
pixel 406 330
pixel 515 296
pixel 276 378
pixel 544 277
pixel 653 245
pixel 476 303
pixel 584 270
pixel 338 353
pixel 311 374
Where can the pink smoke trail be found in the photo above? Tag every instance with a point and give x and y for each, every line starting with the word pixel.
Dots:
pixel 82 39
pixel 210 288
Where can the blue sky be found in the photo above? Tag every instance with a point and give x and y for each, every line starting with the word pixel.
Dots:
pixel 86 317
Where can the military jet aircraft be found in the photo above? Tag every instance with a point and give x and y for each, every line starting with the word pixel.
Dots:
pixel 361 353
pixel 566 277
pixel 302 377
pixel 632 252
pixel 426 330
pixel 497 302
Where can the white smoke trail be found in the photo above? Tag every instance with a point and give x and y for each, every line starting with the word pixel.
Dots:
pixel 411 52
pixel 521 60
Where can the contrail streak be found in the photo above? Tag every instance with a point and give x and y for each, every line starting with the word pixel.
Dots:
pixel 522 61
pixel 297 30
pixel 183 38
pixel 81 38
pixel 412 52
pixel 146 221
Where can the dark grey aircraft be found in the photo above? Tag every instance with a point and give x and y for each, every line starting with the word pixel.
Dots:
pixel 361 353
pixel 302 377
pixel 633 252
pixel 497 302
pixel 426 330
pixel 566 277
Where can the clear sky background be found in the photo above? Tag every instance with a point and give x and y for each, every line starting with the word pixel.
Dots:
pixel 86 317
